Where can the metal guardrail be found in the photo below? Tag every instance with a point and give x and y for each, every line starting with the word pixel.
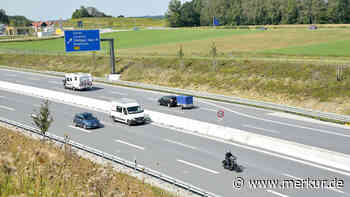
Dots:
pixel 268 105
pixel 113 158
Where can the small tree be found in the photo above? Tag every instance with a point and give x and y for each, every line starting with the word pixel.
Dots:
pixel 43 118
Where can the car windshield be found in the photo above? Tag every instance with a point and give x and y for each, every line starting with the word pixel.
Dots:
pixel 135 110
pixel 88 117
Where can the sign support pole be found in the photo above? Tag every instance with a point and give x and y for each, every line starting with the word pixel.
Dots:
pixel 111 52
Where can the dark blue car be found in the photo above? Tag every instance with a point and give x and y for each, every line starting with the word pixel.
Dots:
pixel 86 120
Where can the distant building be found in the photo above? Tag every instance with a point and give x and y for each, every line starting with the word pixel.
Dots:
pixel 2 29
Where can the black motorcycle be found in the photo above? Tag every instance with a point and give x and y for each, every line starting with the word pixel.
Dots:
pixel 230 163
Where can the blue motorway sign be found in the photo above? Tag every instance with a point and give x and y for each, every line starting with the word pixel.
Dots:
pixel 82 40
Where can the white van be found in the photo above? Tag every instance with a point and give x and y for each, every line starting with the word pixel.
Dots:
pixel 127 111
pixel 77 81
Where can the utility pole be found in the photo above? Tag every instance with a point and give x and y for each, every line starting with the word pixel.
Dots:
pixel 111 52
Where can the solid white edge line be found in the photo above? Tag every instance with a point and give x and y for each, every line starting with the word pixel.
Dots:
pixel 7 108
pixel 332 189
pixel 258 128
pixel 197 166
pixel 80 129
pixel 181 144
pixel 281 123
pixel 258 150
pixel 132 145
pixel 276 193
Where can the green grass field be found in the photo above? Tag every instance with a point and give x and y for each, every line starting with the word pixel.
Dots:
pixel 288 42
pixel 112 22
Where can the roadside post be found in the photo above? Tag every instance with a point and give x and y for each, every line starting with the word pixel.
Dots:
pixel 111 52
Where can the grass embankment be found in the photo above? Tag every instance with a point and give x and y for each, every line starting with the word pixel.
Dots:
pixel 297 84
pixel 112 22
pixel 33 168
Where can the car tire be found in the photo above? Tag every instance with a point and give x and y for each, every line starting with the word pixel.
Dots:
pixel 128 122
pixel 169 105
pixel 84 126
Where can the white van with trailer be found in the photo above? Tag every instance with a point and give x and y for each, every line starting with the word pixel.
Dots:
pixel 127 111
pixel 77 81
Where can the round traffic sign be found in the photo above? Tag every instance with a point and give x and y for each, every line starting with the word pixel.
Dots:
pixel 221 114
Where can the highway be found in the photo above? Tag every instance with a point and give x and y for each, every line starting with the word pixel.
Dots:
pixel 266 122
pixel 190 158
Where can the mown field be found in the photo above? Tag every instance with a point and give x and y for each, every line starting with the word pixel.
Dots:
pixel 331 42
pixel 112 22
pixel 35 168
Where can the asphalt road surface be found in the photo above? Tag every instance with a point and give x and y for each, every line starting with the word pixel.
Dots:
pixel 190 158
pixel 266 122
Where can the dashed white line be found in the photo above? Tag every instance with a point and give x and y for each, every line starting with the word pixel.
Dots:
pixel 197 166
pixel 181 144
pixel 54 82
pixel 7 108
pixel 34 79
pixel 80 129
pixel 129 144
pixel 213 110
pixel 276 193
pixel 10 75
pixel 329 188
pixel 119 93
pixel 262 129
pixel 106 97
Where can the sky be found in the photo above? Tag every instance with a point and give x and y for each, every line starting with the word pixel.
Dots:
pixel 56 9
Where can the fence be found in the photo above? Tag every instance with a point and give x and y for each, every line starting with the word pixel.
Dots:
pixel 113 158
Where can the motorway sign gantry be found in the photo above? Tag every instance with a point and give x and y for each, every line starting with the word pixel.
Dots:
pixel 82 40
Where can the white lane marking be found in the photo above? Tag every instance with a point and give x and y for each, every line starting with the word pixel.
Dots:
pixel 106 97
pixel 276 193
pixel 204 108
pixel 305 119
pixel 235 105
pixel 262 129
pixel 281 123
pixel 197 166
pixel 132 145
pixel 54 82
pixel 181 144
pixel 297 178
pixel 80 129
pixel 119 93
pixel 34 79
pixel 7 108
pixel 166 109
pixel 257 150
pixel 10 75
